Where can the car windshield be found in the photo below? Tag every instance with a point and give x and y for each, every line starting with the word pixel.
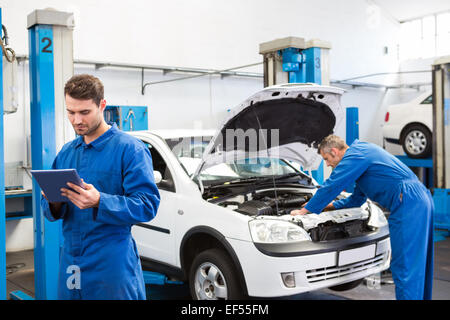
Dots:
pixel 189 153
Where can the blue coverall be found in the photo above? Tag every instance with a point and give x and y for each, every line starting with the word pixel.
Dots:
pixel 98 241
pixel 383 178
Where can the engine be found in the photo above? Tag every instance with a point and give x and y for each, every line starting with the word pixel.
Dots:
pixel 268 203
pixel 330 225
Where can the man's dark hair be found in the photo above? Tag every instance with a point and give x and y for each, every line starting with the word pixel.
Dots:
pixel 85 87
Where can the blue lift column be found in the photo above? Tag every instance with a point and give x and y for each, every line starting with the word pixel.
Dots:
pixel 2 188
pixel 352 126
pixel 316 65
pixel 292 60
pixel 51 64
pixel 351 132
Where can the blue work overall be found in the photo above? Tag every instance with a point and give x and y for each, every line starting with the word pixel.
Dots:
pixel 97 241
pixel 383 178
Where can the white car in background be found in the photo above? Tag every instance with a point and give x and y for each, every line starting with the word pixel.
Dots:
pixel 411 125
pixel 224 222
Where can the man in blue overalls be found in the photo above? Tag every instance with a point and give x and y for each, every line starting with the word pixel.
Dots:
pixel 383 178
pixel 118 191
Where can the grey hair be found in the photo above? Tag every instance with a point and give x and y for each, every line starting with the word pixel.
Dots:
pixel 331 141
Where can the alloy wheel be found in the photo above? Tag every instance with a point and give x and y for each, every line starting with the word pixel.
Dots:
pixel 415 142
pixel 210 283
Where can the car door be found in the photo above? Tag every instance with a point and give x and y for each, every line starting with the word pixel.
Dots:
pixel 155 239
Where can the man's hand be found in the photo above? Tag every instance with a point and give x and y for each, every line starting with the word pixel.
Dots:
pixel 299 212
pixel 87 197
pixel 303 211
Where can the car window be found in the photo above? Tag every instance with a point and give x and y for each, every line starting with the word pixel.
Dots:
pixel 160 165
pixel 189 151
pixel 428 100
pixel 188 147
pixel 253 167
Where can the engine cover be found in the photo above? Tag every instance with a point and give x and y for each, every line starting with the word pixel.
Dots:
pixel 255 207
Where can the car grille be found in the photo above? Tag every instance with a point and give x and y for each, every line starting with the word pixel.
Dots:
pixel 323 274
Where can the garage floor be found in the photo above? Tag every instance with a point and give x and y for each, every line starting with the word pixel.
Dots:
pixel 20 276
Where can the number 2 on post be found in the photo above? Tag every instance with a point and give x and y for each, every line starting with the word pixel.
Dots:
pixel 47 47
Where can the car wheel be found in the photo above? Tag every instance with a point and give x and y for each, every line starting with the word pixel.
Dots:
pixel 213 277
pixel 416 142
pixel 347 286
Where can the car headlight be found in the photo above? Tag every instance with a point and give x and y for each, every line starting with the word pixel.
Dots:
pixel 377 218
pixel 275 231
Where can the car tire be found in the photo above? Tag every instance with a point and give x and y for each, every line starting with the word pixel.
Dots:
pixel 347 286
pixel 213 276
pixel 416 141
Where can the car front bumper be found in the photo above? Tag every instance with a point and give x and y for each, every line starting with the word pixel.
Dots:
pixel 314 265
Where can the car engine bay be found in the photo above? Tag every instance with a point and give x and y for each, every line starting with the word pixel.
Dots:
pixel 329 225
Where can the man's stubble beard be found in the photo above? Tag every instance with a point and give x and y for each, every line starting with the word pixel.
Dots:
pixel 91 130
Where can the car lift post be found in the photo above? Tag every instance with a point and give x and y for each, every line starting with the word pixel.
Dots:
pixel 51 64
pixel 436 175
pixel 2 188
pixel 352 132
pixel 441 143
pixel 352 125
pixel 292 60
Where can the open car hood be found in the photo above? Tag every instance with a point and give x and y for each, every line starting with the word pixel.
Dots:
pixel 285 121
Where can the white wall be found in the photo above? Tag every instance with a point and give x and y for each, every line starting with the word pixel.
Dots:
pixel 212 33
pixel 207 34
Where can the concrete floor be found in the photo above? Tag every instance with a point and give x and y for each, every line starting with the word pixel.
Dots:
pixel 20 276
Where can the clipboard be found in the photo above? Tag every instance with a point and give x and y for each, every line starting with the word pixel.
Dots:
pixel 51 182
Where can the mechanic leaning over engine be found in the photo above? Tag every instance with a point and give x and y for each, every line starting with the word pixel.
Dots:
pixel 99 259
pixel 383 178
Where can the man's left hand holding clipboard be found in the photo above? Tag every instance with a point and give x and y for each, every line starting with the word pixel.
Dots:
pixel 83 197
pixel 63 185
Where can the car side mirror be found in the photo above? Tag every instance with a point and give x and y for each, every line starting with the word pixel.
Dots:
pixel 158 177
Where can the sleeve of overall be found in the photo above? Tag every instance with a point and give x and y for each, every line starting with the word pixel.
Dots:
pixel 45 206
pixel 356 199
pixel 351 167
pixel 141 197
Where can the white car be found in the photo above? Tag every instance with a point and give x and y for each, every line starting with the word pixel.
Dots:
pixel 223 223
pixel 411 125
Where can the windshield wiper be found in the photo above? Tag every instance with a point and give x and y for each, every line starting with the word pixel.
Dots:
pixel 288 175
pixel 239 181
pixel 258 179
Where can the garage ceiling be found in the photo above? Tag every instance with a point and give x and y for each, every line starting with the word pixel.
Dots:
pixel 402 10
